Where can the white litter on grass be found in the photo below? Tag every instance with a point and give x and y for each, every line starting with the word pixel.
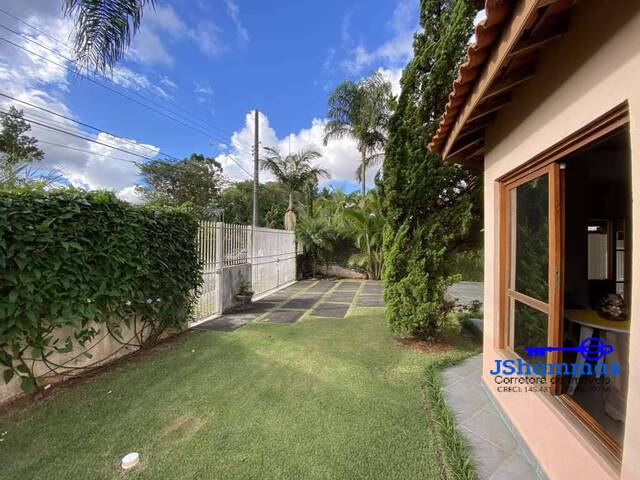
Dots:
pixel 130 460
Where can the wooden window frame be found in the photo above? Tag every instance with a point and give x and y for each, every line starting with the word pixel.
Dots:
pixel 547 163
pixel 553 306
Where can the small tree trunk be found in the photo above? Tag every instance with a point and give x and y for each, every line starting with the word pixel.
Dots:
pixel 315 259
pixel 290 216
pixel 363 173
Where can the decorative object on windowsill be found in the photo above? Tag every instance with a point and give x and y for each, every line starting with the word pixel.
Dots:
pixel 612 307
pixel 245 293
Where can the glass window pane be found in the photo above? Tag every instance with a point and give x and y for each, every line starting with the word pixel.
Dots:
pixel 530 238
pixel 530 327
pixel 598 260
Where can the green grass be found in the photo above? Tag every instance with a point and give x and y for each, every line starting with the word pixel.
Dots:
pixel 322 398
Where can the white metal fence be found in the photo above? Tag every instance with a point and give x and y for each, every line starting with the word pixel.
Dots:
pixel 223 245
pixel 274 259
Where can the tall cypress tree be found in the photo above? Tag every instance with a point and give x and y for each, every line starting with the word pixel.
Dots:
pixel 433 209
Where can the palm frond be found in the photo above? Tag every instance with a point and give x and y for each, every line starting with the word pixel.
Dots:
pixel 104 30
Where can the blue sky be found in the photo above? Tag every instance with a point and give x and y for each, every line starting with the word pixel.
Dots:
pixel 218 59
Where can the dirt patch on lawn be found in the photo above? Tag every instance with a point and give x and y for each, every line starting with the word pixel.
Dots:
pixel 423 346
pixel 184 425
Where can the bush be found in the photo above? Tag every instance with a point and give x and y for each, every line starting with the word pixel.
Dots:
pixel 77 259
pixel 469 265
pixel 432 208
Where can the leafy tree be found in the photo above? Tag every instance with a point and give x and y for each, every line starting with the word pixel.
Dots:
pixel 236 203
pixel 17 149
pixel 360 110
pixel 433 209
pixel 317 237
pixel 196 180
pixel 295 172
pixel 366 226
pixel 332 205
pixel 104 29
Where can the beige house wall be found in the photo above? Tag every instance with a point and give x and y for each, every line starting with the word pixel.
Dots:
pixel 591 70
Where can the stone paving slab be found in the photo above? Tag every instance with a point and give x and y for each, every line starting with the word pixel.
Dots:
pixel 301 303
pixel 340 297
pixel 278 297
pixel 257 307
pixel 372 291
pixel 284 316
pixel 370 301
pixel 331 310
pixel 373 286
pixel 496 452
pixel 290 304
pixel 227 323
pixel 322 286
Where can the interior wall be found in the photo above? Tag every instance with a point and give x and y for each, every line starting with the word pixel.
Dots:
pixel 583 75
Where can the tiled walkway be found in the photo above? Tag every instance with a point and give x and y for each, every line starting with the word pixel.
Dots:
pixel 324 298
pixel 497 453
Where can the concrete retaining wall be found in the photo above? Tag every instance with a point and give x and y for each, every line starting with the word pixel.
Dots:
pixel 231 278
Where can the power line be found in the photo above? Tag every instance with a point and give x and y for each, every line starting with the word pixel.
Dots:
pixel 73 134
pixel 66 132
pixel 72 70
pixel 67 147
pixel 65 44
pixel 132 142
pixel 77 72
pixel 33 27
pixel 200 123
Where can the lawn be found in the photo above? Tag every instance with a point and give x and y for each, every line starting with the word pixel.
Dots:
pixel 322 398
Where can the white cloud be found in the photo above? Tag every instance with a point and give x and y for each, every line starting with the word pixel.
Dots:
pixel 234 12
pixel 148 46
pixel 31 79
pixel 131 195
pixel 167 82
pixel 207 37
pixel 339 157
pixel 392 75
pixel 396 51
pixel 137 81
pixel 203 88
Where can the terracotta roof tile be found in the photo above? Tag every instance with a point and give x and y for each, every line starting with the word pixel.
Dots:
pixel 487 32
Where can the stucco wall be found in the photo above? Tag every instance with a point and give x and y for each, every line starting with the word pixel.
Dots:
pixel 103 349
pixel 231 278
pixel 594 68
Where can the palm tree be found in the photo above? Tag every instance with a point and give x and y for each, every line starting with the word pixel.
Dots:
pixel 317 237
pixel 361 110
pixel 366 225
pixel 295 172
pixel 104 29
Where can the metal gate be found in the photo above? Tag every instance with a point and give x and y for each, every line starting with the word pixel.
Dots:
pixel 224 245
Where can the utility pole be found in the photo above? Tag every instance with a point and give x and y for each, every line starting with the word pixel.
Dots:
pixel 256 169
pixel 256 172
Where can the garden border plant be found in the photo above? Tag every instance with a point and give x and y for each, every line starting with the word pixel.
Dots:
pixel 88 264
pixel 446 439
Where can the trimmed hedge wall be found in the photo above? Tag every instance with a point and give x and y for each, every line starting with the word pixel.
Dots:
pixel 72 258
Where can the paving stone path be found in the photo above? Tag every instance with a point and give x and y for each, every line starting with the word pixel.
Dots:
pixel 323 298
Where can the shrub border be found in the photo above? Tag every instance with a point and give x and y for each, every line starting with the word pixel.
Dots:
pixel 446 439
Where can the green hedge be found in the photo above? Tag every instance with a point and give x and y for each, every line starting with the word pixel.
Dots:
pixel 72 258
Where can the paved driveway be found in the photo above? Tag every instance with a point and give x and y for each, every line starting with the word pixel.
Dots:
pixel 323 298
